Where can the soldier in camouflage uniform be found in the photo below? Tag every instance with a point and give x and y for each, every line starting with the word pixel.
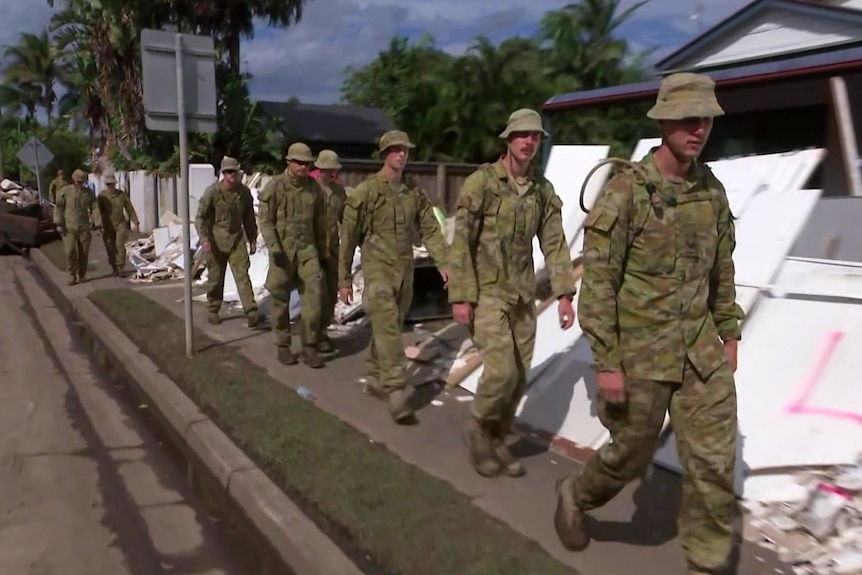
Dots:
pixel 333 201
pixel 225 211
pixel 74 218
pixel 292 222
pixel 658 307
pixel 116 210
pixel 57 184
pixel 492 286
pixel 383 215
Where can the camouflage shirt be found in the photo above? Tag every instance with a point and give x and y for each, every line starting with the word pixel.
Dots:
pixel 333 206
pixel 74 208
pixel 384 221
pixel 658 283
pixel 291 214
pixel 492 250
pixel 115 208
pixel 222 215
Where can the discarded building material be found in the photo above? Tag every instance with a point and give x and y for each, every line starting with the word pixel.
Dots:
pixel 24 220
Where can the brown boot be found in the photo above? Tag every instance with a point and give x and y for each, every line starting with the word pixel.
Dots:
pixel 483 452
pixel 399 406
pixel 254 319
pixel 311 358
pixel 325 345
pixel 510 464
pixel 73 280
pixel 115 271
pixel 568 518
pixel 371 386
pixel 213 318
pixel 286 357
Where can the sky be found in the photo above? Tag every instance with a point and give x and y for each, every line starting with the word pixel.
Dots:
pixel 307 60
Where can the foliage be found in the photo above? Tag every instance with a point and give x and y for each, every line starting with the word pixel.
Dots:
pixel 464 101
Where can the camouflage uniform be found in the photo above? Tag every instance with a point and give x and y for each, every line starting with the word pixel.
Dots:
pixel 73 217
pixel 223 215
pixel 57 184
pixel 333 203
pixel 292 222
pixel 657 300
pixel 115 210
pixel 491 267
pixel 383 219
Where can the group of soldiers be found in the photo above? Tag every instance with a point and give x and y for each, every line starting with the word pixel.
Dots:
pixel 77 212
pixel 657 297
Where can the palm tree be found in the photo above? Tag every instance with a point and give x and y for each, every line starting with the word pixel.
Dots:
pixel 32 72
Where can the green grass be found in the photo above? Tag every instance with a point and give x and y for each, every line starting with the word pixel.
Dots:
pixel 390 516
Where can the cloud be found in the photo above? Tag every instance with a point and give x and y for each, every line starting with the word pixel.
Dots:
pixel 307 59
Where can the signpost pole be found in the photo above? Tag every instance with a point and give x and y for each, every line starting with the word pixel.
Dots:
pixel 184 195
pixel 38 172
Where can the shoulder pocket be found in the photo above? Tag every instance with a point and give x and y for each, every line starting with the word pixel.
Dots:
pixel 601 221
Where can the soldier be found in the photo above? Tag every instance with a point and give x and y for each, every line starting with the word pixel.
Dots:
pixel 73 216
pixel 225 211
pixel 382 215
pixel 292 221
pixel 333 201
pixel 115 210
pixel 57 184
pixel 658 308
pixel 492 286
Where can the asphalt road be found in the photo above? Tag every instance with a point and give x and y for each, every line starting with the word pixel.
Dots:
pixel 85 487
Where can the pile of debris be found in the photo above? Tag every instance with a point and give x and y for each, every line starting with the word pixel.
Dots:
pixel 16 195
pixel 818 527
pixel 160 256
pixel 24 219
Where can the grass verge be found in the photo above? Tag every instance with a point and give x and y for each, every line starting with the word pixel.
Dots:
pixel 390 516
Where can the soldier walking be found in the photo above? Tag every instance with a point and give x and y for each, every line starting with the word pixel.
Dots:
pixel 116 211
pixel 658 306
pixel 492 284
pixel 382 215
pixel 292 222
pixel 57 184
pixel 225 211
pixel 333 203
pixel 73 216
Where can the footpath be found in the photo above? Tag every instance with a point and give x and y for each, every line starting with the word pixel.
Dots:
pixel 636 533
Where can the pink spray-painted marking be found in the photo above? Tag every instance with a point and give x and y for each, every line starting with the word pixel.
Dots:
pixel 812 378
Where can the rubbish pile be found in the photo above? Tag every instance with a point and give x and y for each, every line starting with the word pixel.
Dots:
pixel 23 216
pixel 16 195
pixel 817 528
pixel 159 257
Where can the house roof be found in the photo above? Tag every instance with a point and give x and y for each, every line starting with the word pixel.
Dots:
pixel 806 8
pixel 833 61
pixel 329 123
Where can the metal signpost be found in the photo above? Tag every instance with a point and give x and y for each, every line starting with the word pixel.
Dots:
pixel 35 156
pixel 180 96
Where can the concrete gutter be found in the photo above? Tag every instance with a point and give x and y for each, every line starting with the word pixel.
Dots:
pixel 296 540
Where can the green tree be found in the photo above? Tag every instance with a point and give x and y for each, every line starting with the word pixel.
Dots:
pixel 32 72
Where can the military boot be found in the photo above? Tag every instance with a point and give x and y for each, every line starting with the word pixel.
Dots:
pixel 73 280
pixel 311 357
pixel 325 345
pixel 115 270
pixel 399 406
pixel 371 386
pixel 286 357
pixel 483 452
pixel 213 318
pixel 511 466
pixel 568 518
pixel 254 319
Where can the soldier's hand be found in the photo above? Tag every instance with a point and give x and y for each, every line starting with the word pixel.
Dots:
pixel 135 226
pixel 205 245
pixel 462 313
pixel 445 275
pixel 345 294
pixel 566 312
pixel 612 386
pixel 252 248
pixel 731 349
pixel 61 230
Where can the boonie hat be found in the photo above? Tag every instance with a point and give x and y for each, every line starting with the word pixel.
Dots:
pixel 686 95
pixel 523 120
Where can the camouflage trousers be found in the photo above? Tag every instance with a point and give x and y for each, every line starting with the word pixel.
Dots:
pixel 387 299
pixel 306 277
pixel 76 245
pixel 505 336
pixel 217 263
pixel 704 419
pixel 329 291
pixel 115 245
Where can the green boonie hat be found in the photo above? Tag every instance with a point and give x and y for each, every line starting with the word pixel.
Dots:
pixel 327 160
pixel 79 176
pixel 299 152
pixel 394 138
pixel 110 179
pixel 686 95
pixel 228 164
pixel 523 120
